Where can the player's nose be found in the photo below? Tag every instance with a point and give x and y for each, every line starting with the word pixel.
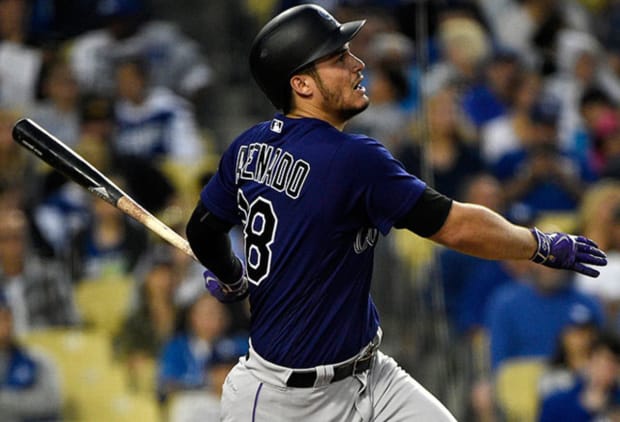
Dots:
pixel 357 64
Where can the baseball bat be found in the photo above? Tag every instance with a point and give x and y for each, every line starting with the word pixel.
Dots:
pixel 62 158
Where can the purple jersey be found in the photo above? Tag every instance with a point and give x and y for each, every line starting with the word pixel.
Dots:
pixel 311 200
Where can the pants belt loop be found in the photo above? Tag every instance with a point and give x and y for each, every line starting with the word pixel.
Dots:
pixel 324 375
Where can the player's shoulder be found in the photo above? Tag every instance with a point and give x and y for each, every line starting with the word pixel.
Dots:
pixel 361 141
pixel 248 136
pixel 362 147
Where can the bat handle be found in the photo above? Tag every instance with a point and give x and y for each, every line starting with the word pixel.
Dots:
pixel 141 215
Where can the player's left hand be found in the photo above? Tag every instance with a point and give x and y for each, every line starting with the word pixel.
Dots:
pixel 569 252
pixel 226 293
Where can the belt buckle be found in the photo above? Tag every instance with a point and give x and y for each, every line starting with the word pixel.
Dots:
pixel 372 349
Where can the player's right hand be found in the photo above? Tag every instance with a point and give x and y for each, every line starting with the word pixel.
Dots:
pixel 569 252
pixel 226 293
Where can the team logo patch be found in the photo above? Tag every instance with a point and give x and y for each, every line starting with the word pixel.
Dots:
pixel 276 126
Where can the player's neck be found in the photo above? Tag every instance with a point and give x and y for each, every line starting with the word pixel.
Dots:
pixel 316 113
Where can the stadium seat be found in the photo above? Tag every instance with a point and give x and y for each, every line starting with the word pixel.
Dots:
pixel 517 389
pixel 416 252
pixel 121 407
pixel 141 377
pixel 103 303
pixel 94 387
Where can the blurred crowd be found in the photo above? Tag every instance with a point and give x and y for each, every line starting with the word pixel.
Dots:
pixel 120 87
pixel 511 104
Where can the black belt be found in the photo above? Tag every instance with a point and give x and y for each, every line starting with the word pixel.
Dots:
pixel 306 379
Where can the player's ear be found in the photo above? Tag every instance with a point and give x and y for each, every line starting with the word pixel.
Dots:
pixel 302 84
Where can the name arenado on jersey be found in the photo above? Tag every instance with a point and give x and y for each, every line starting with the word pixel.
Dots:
pixel 273 167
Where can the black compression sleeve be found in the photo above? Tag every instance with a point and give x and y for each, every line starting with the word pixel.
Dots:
pixel 208 237
pixel 427 215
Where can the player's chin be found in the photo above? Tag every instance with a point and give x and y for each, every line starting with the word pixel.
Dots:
pixel 362 104
pixel 353 109
pixel 354 105
pixel 360 101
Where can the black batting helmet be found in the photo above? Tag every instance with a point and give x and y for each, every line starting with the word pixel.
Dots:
pixel 293 40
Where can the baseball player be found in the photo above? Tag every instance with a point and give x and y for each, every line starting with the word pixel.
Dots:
pixel 312 201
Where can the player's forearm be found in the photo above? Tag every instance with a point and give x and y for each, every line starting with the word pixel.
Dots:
pixel 478 231
pixel 208 238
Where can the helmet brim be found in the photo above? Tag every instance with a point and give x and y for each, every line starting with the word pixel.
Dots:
pixel 345 33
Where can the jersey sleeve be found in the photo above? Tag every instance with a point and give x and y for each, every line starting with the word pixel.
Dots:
pixel 380 182
pixel 220 194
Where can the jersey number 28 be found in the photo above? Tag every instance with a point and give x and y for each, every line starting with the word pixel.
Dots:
pixel 260 223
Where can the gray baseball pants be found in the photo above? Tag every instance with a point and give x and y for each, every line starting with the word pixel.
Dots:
pixel 256 391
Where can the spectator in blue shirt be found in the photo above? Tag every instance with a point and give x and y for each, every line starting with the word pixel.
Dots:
pixel 186 359
pixel 29 385
pixel 492 95
pixel 596 395
pixel 572 352
pixel 468 281
pixel 204 405
pixel 525 318
pixel 541 176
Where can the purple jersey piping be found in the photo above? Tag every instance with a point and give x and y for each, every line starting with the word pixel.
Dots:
pixel 260 386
